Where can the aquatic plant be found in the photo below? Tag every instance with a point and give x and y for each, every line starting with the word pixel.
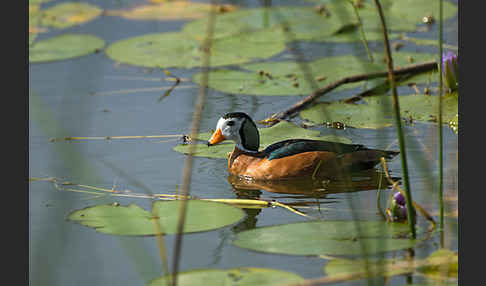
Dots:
pixel 450 70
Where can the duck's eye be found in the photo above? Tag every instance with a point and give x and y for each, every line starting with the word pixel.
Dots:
pixel 231 123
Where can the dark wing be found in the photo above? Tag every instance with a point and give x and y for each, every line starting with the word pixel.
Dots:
pixel 295 146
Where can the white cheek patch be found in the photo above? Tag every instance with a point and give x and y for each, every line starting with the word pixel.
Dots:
pixel 220 123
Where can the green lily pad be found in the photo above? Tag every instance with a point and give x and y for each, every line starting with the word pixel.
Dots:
pixel 279 132
pixel 399 15
pixel 301 23
pixel 371 114
pixel 235 276
pixel 325 237
pixel 64 47
pixel 134 220
pixel 68 14
pixel 179 50
pixel 287 78
pixel 448 270
pixel 341 266
pixel 172 10
pixel 443 259
pixel 308 23
pixel 38 1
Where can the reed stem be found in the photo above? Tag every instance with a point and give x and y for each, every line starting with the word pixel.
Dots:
pixel 185 190
pixel 396 107
pixel 361 30
pixel 441 158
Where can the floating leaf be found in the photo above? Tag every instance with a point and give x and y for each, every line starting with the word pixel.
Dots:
pixel 448 270
pixel 298 23
pixel 171 10
pixel 133 220
pixel 179 50
pixel 38 1
pixel 69 14
pixel 287 78
pixel 235 276
pixel 372 114
pixel 280 131
pixel 64 47
pixel 325 237
pixel 403 15
pixel 342 266
pixel 442 259
pixel 309 23
pixel 34 22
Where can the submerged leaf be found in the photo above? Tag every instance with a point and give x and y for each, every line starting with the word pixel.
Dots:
pixel 280 131
pixel 376 111
pixel 133 220
pixel 180 50
pixel 325 237
pixel 64 47
pixel 235 276
pixel 171 10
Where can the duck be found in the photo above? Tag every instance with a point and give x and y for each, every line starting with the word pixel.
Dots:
pixel 291 158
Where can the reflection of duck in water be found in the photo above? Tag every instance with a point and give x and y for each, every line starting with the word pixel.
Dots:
pixel 293 158
pixel 307 188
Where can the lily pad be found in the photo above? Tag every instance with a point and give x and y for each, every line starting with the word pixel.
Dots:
pixel 134 220
pixel 64 47
pixel 403 15
pixel 448 270
pixel 341 266
pixel 325 237
pixel 287 77
pixel 443 259
pixel 280 131
pixel 235 276
pixel 171 10
pixel 38 1
pixel 180 50
pixel 298 23
pixel 309 23
pixel 68 14
pixel 371 112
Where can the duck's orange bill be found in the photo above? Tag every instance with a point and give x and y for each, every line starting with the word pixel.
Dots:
pixel 216 138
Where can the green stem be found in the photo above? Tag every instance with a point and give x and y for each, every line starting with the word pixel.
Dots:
pixel 363 37
pixel 196 119
pixel 441 159
pixel 396 107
